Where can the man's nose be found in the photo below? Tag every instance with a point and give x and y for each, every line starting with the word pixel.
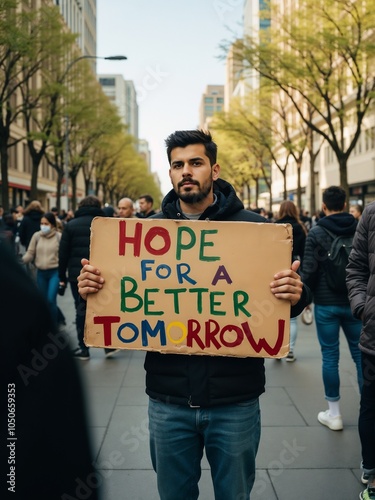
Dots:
pixel 186 169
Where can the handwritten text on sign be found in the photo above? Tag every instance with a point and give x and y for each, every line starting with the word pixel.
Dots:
pixel 191 287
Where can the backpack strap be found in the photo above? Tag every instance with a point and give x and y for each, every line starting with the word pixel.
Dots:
pixel 333 235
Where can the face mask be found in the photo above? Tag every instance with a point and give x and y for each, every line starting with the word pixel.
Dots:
pixel 45 229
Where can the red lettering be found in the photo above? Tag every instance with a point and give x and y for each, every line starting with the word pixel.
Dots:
pixel 193 328
pixel 153 233
pixel 106 321
pixel 262 343
pixel 238 340
pixel 211 333
pixel 124 239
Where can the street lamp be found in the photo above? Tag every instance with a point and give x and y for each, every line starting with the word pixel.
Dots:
pixel 67 69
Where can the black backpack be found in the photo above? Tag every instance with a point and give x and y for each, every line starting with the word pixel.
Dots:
pixel 337 260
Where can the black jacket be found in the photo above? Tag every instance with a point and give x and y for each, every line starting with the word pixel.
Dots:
pixel 318 242
pixel 75 242
pixel 361 278
pixel 30 224
pixel 198 380
pixel 299 236
pixel 41 382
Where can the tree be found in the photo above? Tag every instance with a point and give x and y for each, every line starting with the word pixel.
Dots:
pixel 42 103
pixel 328 70
pixel 20 61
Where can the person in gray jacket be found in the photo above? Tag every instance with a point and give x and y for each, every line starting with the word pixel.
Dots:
pixel 204 402
pixel 360 280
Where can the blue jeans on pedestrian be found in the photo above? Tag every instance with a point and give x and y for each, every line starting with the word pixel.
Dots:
pixel 366 421
pixel 293 333
pixel 229 434
pixel 48 283
pixel 328 320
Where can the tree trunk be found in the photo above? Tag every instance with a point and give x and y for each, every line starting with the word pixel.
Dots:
pixel 285 190
pixel 4 173
pixel 299 190
pixel 74 193
pixel 34 179
pixel 343 163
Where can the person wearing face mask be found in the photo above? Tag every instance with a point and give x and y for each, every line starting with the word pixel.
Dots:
pixel 43 250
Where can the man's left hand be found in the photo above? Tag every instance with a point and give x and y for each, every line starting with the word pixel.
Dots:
pixel 287 285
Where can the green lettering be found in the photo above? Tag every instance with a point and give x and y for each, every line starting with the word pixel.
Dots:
pixel 214 303
pixel 175 292
pixel 130 294
pixel 205 243
pixel 184 246
pixel 199 292
pixel 240 299
pixel 149 302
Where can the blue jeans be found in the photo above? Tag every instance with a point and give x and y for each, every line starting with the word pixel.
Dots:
pixel 48 284
pixel 293 333
pixel 230 435
pixel 328 320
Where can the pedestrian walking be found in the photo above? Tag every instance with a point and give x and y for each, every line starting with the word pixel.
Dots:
pixel 43 250
pixel 361 288
pixel 332 309
pixel 204 402
pixel 75 242
pixel 288 214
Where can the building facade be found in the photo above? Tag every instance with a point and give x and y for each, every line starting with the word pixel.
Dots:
pixel 122 94
pixel 212 101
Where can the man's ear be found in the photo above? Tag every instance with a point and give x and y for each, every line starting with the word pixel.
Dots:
pixel 215 171
pixel 324 207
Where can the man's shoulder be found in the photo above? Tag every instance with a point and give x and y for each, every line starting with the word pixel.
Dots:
pixel 247 216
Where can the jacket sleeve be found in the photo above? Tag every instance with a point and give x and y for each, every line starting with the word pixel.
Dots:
pixel 310 264
pixel 22 231
pixel 29 256
pixel 63 255
pixel 305 300
pixel 357 270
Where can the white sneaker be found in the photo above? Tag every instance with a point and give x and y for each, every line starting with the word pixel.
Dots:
pixel 333 423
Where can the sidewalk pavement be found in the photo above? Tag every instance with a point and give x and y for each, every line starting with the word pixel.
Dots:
pixel 298 458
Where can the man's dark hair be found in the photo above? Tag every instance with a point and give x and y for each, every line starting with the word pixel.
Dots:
pixel 148 198
pixel 334 198
pixel 90 201
pixel 183 138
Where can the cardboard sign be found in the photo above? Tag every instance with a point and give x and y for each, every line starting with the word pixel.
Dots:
pixel 189 287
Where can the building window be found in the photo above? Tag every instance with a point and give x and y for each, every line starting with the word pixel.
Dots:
pixel 209 100
pixel 107 82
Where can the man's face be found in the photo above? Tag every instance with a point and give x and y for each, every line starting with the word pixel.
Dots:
pixel 144 205
pixel 192 174
pixel 124 209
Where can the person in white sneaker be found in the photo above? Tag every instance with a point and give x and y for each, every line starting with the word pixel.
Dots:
pixel 360 281
pixel 331 305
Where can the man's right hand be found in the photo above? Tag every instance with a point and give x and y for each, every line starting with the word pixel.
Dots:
pixel 89 279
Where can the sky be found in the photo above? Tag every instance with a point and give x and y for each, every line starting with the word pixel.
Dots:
pixel 173 51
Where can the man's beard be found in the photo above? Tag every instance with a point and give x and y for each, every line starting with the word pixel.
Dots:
pixel 191 198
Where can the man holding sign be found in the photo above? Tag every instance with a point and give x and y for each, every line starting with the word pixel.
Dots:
pixel 202 401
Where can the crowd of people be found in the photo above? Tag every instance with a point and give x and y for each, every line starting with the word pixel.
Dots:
pixel 55 247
